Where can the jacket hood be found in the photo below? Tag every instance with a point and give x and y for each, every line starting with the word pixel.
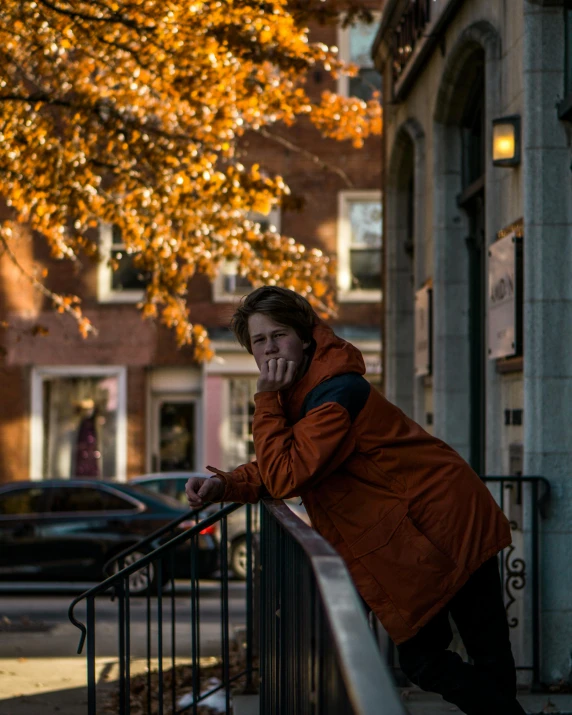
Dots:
pixel 332 356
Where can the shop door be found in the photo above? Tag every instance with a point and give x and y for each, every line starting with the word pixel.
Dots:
pixel 174 433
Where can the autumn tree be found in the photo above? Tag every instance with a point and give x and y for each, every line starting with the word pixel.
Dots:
pixel 131 112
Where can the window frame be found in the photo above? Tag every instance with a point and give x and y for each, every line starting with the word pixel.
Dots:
pixel 345 294
pixel 21 488
pixel 565 106
pixel 105 292
pixel 41 374
pixel 343 39
pixel 220 295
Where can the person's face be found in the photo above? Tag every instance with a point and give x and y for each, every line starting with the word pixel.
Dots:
pixel 270 340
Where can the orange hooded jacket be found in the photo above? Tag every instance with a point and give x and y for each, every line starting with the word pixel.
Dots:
pixel 407 514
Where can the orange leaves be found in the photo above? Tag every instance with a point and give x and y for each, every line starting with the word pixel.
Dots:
pixel 350 118
pixel 134 118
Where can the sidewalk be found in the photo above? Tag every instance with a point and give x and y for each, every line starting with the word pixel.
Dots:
pixel 419 703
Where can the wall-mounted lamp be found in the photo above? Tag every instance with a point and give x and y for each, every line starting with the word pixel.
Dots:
pixel 506 141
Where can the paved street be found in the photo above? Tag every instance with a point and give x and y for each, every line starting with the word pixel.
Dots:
pixel 40 671
pixel 51 609
pixel 39 632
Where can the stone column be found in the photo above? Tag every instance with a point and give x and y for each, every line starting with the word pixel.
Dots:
pixel 548 319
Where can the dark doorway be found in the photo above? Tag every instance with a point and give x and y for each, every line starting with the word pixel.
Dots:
pixel 472 201
pixel 177 436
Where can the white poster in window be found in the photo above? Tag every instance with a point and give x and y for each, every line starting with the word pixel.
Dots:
pixel 423 332
pixel 502 298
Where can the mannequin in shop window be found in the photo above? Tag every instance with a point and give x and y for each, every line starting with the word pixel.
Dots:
pixel 87 457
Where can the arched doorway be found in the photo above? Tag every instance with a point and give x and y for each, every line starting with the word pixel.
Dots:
pixel 464 211
pixel 398 338
pixel 472 202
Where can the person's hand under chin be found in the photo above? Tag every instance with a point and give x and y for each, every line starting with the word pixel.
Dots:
pixel 276 374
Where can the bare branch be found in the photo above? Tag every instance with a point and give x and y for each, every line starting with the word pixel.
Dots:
pixel 308 154
pixel 116 18
pixel 56 299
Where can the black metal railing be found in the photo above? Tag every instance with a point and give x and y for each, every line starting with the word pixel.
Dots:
pixel 412 24
pixel 317 653
pixel 524 499
pixel 162 620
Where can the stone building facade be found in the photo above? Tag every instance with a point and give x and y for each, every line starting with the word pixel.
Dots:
pixel 492 374
pixel 127 401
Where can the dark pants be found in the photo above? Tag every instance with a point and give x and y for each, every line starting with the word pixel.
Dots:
pixel 488 685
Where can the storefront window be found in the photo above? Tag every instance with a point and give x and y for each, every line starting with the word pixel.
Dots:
pixel 240 443
pixel 79 426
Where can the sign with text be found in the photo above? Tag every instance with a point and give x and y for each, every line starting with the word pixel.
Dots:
pixel 423 331
pixel 502 298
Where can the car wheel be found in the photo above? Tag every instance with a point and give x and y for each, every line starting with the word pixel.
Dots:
pixel 238 558
pixel 140 582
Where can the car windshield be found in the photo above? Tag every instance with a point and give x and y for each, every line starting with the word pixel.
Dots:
pixel 156 496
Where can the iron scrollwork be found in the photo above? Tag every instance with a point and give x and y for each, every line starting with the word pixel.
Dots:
pixel 515 578
pixel 408 31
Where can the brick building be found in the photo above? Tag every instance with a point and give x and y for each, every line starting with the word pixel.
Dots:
pixel 127 401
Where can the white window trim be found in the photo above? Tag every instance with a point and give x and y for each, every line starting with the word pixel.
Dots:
pixel 219 294
pixel 105 294
pixel 345 294
pixel 225 425
pixel 39 375
pixel 344 53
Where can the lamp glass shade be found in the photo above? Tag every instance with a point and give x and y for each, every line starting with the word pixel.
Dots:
pixel 504 141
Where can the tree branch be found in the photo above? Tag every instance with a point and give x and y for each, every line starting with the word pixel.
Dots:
pixel 56 299
pixel 118 19
pixel 308 154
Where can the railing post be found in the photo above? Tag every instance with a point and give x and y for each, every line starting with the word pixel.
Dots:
pixel 91 683
pixel 535 588
pixel 121 634
pixel 159 566
pixel 250 570
pixel 224 611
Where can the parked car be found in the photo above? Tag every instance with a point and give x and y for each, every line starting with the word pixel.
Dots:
pixel 66 530
pixel 172 484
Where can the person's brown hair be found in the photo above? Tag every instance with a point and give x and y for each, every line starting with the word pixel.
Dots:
pixel 282 305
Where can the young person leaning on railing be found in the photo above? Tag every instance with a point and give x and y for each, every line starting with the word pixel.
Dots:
pixel 417 528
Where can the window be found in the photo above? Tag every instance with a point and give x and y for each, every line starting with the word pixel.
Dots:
pixel 355 43
pixel 73 499
pixel 78 423
pixel 359 245
pixel 565 106
pixel 21 502
pixel 174 488
pixel 229 284
pixel 239 447
pixel 125 284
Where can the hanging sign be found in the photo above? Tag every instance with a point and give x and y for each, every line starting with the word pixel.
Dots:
pixel 423 331
pixel 503 291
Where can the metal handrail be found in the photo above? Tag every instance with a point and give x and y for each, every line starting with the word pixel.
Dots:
pixel 161 531
pixel 368 684
pixel 119 577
